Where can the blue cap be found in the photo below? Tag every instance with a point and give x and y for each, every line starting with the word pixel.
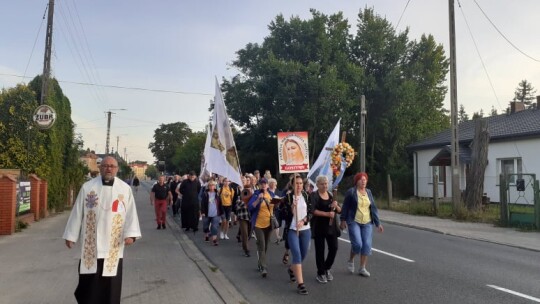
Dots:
pixel 263 180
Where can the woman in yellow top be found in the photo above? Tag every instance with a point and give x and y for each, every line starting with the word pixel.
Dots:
pixel 226 194
pixel 359 213
pixel 261 208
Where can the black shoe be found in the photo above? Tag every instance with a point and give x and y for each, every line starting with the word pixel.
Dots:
pixel 238 239
pixel 291 275
pixel 302 289
pixel 163 226
pixel 206 239
pixel 158 226
pixel 246 254
pixel 186 229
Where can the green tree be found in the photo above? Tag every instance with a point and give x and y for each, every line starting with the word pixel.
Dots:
pixel 462 115
pixel 525 93
pixel 309 73
pixel 477 115
pixel 188 156
pixel 493 111
pixel 151 171
pixel 167 139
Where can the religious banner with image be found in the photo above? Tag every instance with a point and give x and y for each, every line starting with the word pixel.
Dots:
pixel 293 152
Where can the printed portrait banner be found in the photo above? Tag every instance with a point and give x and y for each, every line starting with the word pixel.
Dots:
pixel 293 152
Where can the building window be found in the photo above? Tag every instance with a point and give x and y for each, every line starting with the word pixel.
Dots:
pixel 510 166
pixel 441 172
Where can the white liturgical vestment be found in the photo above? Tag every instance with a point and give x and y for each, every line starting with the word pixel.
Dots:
pixel 102 217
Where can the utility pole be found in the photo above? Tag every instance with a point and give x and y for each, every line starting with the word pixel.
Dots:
pixel 363 114
pixel 47 58
pixel 109 113
pixel 456 192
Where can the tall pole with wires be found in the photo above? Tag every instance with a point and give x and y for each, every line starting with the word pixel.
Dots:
pixel 47 58
pixel 456 192
pixel 109 113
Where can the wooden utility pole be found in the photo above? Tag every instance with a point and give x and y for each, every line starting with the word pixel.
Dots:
pixel 47 58
pixel 456 192
pixel 363 114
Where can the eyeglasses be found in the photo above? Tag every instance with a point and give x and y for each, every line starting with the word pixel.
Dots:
pixel 108 166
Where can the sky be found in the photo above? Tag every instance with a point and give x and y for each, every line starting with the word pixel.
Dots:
pixel 155 62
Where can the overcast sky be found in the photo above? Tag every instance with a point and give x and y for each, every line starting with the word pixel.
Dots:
pixel 180 46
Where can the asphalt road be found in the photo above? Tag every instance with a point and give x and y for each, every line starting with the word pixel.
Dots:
pixel 407 266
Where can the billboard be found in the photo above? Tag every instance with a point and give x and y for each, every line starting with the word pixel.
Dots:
pixel 293 152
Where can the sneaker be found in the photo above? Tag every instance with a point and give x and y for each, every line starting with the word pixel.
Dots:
pixel 363 272
pixel 350 266
pixel 226 237
pixel 246 254
pixel 329 276
pixel 322 278
pixel 264 273
pixel 221 235
pixel 206 239
pixel 215 243
pixel 163 226
pixel 158 226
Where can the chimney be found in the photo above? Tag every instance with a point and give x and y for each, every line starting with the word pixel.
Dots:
pixel 516 106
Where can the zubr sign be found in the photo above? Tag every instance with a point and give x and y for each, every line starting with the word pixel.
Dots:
pixel 44 117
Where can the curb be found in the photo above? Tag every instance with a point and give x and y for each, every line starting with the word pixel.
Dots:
pixel 219 282
pixel 460 236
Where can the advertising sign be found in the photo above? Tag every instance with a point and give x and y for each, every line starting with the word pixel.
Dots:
pixel 293 152
pixel 23 197
pixel 44 117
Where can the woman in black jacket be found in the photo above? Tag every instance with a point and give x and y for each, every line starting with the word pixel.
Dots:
pixel 325 228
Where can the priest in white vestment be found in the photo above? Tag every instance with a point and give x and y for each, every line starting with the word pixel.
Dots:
pixel 104 219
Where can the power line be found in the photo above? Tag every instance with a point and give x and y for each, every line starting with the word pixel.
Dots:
pixel 479 55
pixel 122 87
pixel 402 13
pixel 507 40
pixel 35 41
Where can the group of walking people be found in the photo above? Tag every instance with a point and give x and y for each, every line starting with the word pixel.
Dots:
pixel 304 214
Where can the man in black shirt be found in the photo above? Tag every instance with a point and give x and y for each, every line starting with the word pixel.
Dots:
pixel 159 197
pixel 190 213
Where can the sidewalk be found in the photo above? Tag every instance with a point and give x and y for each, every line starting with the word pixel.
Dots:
pixel 476 231
pixel 162 267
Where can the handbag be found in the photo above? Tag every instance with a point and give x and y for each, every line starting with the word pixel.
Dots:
pixel 273 220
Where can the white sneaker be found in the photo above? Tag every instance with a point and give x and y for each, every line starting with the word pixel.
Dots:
pixel 226 237
pixel 363 272
pixel 221 236
pixel 350 266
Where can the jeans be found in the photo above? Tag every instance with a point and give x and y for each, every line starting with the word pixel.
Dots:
pixel 299 244
pixel 361 236
pixel 211 224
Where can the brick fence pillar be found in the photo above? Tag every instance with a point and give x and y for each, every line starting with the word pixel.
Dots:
pixel 43 208
pixel 35 207
pixel 8 203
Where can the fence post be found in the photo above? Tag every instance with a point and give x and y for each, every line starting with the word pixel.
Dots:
pixel 504 201
pixel 435 192
pixel 8 204
pixel 389 186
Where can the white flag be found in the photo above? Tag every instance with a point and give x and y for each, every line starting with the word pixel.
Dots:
pixel 204 175
pixel 222 157
pixel 322 164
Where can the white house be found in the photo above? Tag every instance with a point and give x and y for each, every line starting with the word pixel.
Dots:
pixel 514 147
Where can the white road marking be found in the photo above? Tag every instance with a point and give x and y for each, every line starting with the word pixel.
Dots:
pixel 384 252
pixel 519 294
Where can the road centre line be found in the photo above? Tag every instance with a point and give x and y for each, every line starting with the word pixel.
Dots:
pixel 384 252
pixel 519 294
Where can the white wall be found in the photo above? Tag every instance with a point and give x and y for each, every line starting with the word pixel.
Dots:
pixel 528 150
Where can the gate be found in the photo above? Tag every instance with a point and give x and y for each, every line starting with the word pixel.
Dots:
pixel 520 200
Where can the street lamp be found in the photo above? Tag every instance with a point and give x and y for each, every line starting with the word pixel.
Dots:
pixel 109 127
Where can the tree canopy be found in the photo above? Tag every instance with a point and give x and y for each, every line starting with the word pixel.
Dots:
pixel 307 74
